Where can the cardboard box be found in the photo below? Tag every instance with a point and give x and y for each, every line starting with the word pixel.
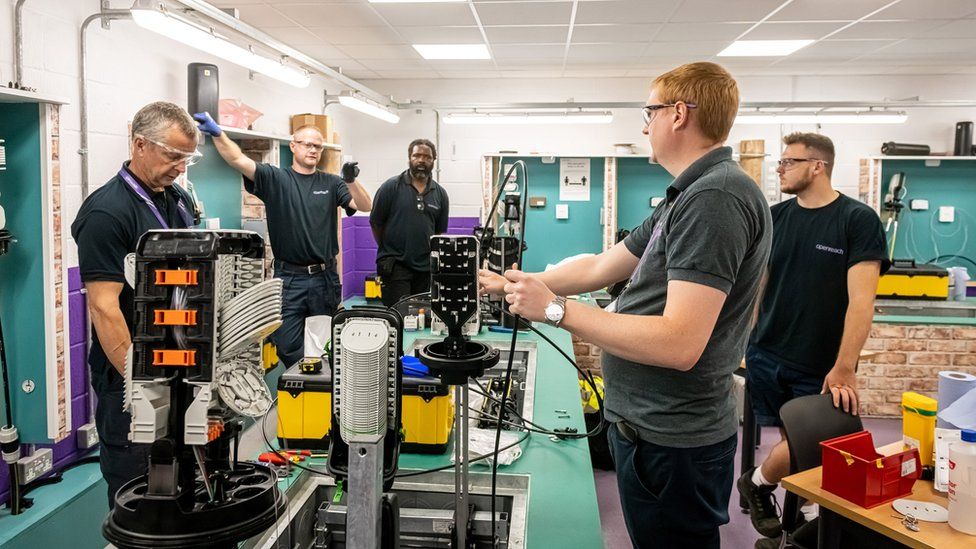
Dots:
pixel 321 121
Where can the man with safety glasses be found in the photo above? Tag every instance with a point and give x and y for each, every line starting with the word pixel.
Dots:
pixel 301 204
pixel 816 311
pixel 141 197
pixel 677 332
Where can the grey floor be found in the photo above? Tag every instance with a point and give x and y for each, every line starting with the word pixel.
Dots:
pixel 738 533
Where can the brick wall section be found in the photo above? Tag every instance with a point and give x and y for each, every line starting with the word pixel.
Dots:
pixel 910 358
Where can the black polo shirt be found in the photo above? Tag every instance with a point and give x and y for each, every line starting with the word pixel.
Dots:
pixel 301 212
pixel 408 219
pixel 108 227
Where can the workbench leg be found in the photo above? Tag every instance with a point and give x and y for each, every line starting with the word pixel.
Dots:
pixel 828 529
pixel 749 432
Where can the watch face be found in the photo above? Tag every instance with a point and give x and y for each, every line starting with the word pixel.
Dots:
pixel 554 312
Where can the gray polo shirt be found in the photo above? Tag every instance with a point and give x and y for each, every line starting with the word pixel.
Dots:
pixel 714 228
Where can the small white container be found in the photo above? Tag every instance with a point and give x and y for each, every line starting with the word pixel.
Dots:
pixel 962 483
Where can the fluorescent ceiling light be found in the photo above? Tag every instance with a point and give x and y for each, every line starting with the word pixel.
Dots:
pixel 869 117
pixel 452 51
pixel 364 105
pixel 602 117
pixel 183 31
pixel 763 48
pixel 413 1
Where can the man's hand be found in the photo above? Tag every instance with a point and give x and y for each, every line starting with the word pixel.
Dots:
pixel 492 283
pixel 527 296
pixel 207 124
pixel 841 382
pixel 350 171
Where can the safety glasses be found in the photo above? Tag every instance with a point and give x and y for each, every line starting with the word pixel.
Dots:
pixel 648 110
pixel 174 155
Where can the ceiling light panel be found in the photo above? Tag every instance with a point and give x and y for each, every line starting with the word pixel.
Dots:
pixel 763 48
pixel 452 51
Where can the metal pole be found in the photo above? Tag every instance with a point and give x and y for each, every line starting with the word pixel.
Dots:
pixel 364 517
pixel 83 91
pixel 19 42
pixel 437 141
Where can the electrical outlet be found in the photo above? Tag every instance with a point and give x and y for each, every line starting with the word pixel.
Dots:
pixel 87 436
pixel 919 205
pixel 33 466
pixel 947 214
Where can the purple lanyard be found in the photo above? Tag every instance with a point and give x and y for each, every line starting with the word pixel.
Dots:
pixel 137 188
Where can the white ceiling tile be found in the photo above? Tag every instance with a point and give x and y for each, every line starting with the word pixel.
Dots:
pixel 293 36
pixel 683 32
pixel 926 9
pixel 425 15
pixel 360 74
pixel 834 10
pixel 698 11
pixel 894 29
pixel 529 72
pixel 264 16
pixel 380 65
pixel 380 52
pixel 465 65
pixel 535 51
pixel 615 33
pixel 838 50
pixel 441 35
pixel 467 74
pixel 323 51
pixel 964 47
pixel 378 35
pixel 595 73
pixel 525 13
pixel 698 48
pixel 807 30
pixel 407 74
pixel 331 15
pixel 962 28
pixel 604 52
pixel 624 11
pixel 531 34
pixel 538 62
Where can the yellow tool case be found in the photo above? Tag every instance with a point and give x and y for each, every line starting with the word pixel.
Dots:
pixel 305 405
pixel 906 280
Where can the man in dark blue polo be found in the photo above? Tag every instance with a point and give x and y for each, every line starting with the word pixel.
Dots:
pixel 302 208
pixel 140 198
pixel 409 209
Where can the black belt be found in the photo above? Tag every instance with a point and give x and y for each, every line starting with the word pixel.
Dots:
pixel 315 268
pixel 627 431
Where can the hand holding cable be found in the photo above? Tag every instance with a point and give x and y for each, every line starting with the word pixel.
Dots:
pixel 527 296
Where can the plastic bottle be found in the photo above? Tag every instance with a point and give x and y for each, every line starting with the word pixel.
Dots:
pixel 962 483
pixel 421 320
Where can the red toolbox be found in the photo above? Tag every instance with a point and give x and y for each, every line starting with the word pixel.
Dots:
pixel 855 471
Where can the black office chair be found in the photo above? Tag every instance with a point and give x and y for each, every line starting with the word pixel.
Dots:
pixel 808 421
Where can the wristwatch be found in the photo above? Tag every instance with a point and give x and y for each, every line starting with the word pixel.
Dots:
pixel 555 311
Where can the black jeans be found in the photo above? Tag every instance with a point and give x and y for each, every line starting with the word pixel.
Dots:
pixel 303 295
pixel 399 281
pixel 673 497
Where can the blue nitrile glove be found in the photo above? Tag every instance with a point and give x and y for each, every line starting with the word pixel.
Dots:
pixel 350 171
pixel 207 124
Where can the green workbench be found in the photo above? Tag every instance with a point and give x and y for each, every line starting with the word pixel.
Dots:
pixel 562 506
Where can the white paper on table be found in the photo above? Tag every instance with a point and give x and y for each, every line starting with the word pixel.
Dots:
pixel 318 331
pixel 944 437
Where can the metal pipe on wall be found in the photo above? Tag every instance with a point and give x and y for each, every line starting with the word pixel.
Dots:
pixel 437 141
pixel 19 42
pixel 108 15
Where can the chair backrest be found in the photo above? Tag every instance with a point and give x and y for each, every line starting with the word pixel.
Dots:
pixel 810 420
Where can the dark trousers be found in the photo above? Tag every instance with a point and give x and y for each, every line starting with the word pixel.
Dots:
pixel 673 497
pixel 303 296
pixel 399 281
pixel 119 460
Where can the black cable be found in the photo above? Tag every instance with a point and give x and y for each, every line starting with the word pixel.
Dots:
pixel 7 401
pixel 58 475
pixel 475 459
pixel 946 256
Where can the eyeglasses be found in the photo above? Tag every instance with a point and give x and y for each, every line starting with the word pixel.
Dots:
pixel 788 163
pixel 174 155
pixel 317 147
pixel 647 111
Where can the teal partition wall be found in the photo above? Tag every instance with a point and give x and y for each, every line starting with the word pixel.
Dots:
pixel 920 235
pixel 549 239
pixel 21 270
pixel 218 186
pixel 286 156
pixel 637 182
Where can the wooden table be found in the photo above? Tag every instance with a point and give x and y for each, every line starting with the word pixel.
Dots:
pixel 880 519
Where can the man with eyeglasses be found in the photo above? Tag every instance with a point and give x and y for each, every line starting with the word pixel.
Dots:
pixel 409 209
pixel 301 204
pixel 676 334
pixel 816 310
pixel 141 197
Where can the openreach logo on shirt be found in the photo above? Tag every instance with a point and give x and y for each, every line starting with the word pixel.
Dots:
pixel 823 248
pixel 320 192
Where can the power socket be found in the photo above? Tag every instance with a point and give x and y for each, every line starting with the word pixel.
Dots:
pixel 33 466
pixel 87 436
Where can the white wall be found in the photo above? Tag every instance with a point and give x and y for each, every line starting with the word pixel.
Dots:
pixel 381 147
pixel 128 67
